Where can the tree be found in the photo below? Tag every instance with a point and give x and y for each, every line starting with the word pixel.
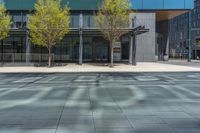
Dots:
pixel 49 24
pixel 5 22
pixel 113 19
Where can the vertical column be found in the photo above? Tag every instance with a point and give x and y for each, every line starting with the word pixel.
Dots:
pixel 134 50
pixel 81 39
pixel 132 53
pixel 28 48
pixel 189 38
pixel 130 49
pixel 13 49
pixel 166 54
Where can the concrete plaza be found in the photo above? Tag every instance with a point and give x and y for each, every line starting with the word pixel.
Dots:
pixel 100 102
pixel 171 66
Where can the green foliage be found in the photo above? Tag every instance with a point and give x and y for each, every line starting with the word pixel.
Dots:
pixel 112 17
pixel 49 24
pixel 113 20
pixel 5 22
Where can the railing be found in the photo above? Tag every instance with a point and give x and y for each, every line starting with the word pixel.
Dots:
pixel 33 57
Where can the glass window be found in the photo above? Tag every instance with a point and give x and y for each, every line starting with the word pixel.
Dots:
pixel 75 48
pixel 1 1
pixel 24 20
pixel 174 4
pixel 92 22
pixel 89 21
pixel 162 4
pixel 63 50
pixel 189 4
pixel 17 21
pixel 74 21
pixel 87 48
pixel 136 4
pixel 86 21
pixel 153 4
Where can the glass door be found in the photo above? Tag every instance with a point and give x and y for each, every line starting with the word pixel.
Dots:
pixel 101 52
pixel 100 49
pixel 87 49
pixel 125 48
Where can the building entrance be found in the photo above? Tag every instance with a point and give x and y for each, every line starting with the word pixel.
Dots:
pixel 100 49
pixel 125 48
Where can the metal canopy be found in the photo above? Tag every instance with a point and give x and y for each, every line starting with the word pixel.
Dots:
pixel 136 31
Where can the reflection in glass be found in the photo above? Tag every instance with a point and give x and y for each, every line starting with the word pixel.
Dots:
pixel 174 4
pixel 74 21
pixel 87 49
pixel 153 4
pixel 162 4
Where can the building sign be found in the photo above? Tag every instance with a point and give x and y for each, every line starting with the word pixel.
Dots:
pixel 117 51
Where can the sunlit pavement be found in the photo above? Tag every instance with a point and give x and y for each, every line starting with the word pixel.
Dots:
pixel 175 66
pixel 100 103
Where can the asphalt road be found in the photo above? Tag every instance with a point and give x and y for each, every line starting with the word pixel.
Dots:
pixel 100 103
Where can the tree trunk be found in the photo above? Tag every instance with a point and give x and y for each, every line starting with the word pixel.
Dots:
pixel 49 59
pixel 111 54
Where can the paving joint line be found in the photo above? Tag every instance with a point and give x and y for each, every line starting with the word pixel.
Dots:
pixel 32 82
pixel 61 115
pixel 121 110
pixel 92 111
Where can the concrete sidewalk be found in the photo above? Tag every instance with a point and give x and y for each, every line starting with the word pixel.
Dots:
pixel 94 67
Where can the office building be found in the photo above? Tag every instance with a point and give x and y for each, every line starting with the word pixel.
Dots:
pixel 151 46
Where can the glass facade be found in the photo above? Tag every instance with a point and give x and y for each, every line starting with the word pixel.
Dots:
pixel 19 20
pixel 195 34
pixel 74 21
pixel 13 49
pixel 178 36
pixel 95 48
pixel 89 21
pixel 161 4
pixel 94 4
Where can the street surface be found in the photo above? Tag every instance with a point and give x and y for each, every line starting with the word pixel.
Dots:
pixel 100 103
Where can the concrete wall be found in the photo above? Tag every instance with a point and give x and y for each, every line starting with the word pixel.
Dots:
pixel 145 50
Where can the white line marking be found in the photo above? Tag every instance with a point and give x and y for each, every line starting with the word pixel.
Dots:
pixel 187 90
pixel 170 89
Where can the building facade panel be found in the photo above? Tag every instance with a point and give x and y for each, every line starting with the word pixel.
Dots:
pixel 145 42
pixel 94 4
pixel 161 4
